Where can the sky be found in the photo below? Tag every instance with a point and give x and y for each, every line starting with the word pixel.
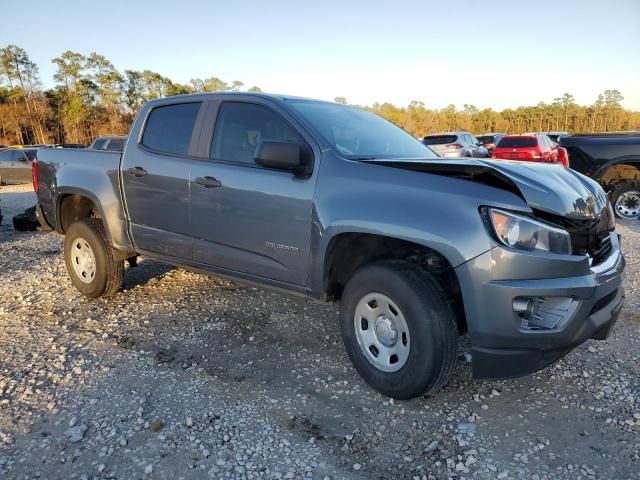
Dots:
pixel 499 54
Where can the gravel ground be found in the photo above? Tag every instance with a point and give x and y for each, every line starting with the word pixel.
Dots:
pixel 181 375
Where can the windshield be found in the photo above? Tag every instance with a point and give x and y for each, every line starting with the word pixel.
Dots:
pixel 358 134
pixel 484 139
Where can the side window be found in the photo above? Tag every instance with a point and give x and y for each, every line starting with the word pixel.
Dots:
pixel 169 128
pixel 544 141
pixel 240 127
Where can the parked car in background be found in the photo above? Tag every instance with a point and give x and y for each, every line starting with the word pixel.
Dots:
pixel 455 144
pixel 553 136
pixel 112 143
pixel 530 148
pixel 15 164
pixel 613 160
pixel 490 140
pixel 277 191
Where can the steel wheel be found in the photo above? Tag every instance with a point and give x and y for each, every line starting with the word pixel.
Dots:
pixel 83 260
pixel 382 332
pixel 628 204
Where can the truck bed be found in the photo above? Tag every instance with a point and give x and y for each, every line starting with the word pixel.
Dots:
pixel 90 173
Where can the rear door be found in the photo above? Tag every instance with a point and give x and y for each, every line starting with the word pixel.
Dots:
pixel 155 179
pixel 246 218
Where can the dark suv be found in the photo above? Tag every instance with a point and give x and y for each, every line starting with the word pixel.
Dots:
pixel 490 140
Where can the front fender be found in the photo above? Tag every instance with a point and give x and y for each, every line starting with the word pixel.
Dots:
pixel 435 211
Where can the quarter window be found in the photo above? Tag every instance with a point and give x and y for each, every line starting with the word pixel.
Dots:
pixel 169 128
pixel 240 127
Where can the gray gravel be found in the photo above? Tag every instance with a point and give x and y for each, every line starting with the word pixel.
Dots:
pixel 186 376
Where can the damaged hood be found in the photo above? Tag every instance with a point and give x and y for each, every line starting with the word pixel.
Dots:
pixel 547 187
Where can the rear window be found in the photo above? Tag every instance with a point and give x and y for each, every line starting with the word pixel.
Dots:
pixel 439 139
pixel 517 142
pixel 169 128
pixel 31 154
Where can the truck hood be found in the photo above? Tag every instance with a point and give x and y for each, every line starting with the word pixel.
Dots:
pixel 550 188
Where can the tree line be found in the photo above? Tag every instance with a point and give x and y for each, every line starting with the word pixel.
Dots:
pixel 563 114
pixel 91 97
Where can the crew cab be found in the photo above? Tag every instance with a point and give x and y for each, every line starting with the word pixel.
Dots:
pixel 335 203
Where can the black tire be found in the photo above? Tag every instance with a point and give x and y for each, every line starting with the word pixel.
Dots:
pixel 618 190
pixel 26 221
pixel 109 272
pixel 429 317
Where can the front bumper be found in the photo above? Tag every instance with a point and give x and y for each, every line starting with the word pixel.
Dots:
pixel 501 346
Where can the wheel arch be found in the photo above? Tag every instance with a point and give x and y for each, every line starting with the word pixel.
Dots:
pixel 347 251
pixel 74 203
pixel 617 170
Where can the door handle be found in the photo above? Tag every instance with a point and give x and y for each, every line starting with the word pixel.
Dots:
pixel 208 182
pixel 137 171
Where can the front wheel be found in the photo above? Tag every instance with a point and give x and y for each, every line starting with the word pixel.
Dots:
pixel 398 329
pixel 91 263
pixel 625 198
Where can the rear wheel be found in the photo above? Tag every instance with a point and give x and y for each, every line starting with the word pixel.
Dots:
pixel 398 329
pixel 91 262
pixel 625 198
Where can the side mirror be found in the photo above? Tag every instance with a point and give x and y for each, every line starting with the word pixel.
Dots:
pixel 280 156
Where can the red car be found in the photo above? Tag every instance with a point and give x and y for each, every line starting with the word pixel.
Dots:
pixel 530 148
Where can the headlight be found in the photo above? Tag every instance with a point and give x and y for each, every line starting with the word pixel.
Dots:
pixel 524 233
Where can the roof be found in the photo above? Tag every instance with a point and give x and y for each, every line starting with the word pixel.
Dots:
pixel 272 96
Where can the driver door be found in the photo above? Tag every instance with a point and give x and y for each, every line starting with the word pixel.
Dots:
pixel 246 218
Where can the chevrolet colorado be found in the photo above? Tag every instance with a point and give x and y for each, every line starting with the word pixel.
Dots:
pixel 335 203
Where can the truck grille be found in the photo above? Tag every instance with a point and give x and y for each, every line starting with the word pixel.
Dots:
pixel 602 252
pixel 593 238
pixel 588 237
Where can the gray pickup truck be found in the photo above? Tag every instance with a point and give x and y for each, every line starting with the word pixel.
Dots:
pixel 335 203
